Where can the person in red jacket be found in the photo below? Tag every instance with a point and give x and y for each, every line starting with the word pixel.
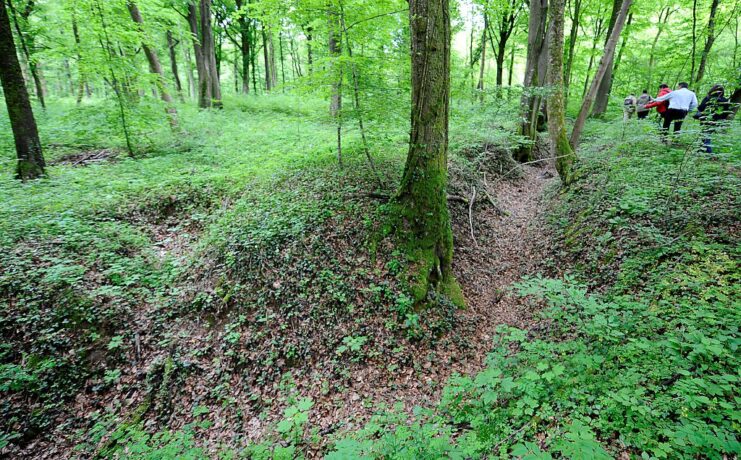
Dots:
pixel 662 106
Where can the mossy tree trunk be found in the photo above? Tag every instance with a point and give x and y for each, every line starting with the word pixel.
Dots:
pixel 421 203
pixel 26 135
pixel 560 147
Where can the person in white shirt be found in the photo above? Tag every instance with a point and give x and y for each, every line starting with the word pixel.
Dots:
pixel 681 102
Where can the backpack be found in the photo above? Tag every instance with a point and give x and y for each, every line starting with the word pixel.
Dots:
pixel 643 100
pixel 629 104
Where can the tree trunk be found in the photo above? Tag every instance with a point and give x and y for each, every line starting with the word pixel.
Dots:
pixel 27 144
pixel 482 58
pixel 597 33
pixel 511 64
pixel 309 53
pixel 209 53
pixel 421 200
pixel 189 73
pixel 663 19
pixel 335 49
pixel 694 40
pixel 81 77
pixel 171 44
pixel 154 65
pixel 266 60
pixel 573 35
pixel 604 64
pixel 622 45
pixel 603 92
pixel 244 32
pixel 32 65
pixel 708 42
pixel 560 148
pixel 530 104
pixel 204 76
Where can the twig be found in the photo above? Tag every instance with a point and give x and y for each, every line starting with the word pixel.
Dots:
pixel 470 215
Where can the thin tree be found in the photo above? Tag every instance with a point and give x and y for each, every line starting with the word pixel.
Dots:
pixel 482 58
pixel 155 68
pixel 27 144
pixel 421 201
pixel 560 147
pixel 171 47
pixel 208 46
pixel 604 64
pixel 663 19
pixel 534 77
pixel 334 43
pixel 80 67
pixel 32 64
pixel 708 41
pixel 605 87
pixel 573 35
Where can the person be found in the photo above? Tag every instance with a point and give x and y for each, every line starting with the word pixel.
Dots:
pixel 643 99
pixel 629 107
pixel 681 102
pixel 712 112
pixel 661 107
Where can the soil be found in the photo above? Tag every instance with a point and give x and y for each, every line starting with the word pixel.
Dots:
pixel 509 243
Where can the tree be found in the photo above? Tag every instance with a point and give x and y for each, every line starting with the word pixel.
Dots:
pixel 334 43
pixel 534 77
pixel 30 60
pixel 605 87
pixel 573 35
pixel 27 144
pixel 708 42
pixel 506 13
pixel 209 53
pixel 482 57
pixel 154 65
pixel 171 48
pixel 560 147
pixel 604 64
pixel 421 201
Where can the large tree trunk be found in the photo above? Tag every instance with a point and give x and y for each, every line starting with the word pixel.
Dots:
pixel 604 64
pixel 154 65
pixel 573 35
pixel 530 104
pixel 204 76
pixel 603 92
pixel 421 200
pixel 334 43
pixel 708 42
pixel 560 148
pixel 26 135
pixel 209 53
pixel 171 45
pixel 32 65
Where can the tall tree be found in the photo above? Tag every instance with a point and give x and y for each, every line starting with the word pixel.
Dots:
pixel 30 60
pixel 573 35
pixel 334 43
pixel 204 76
pixel 208 46
pixel 604 63
pixel 482 57
pixel 530 104
pixel 171 48
pixel 708 41
pixel 506 13
pixel 154 64
pixel 421 200
pixel 605 87
pixel 661 25
pixel 244 44
pixel 27 144
pixel 560 147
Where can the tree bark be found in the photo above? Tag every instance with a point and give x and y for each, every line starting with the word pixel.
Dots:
pixel 622 45
pixel 209 53
pixel 421 200
pixel 530 103
pixel 204 76
pixel 560 148
pixel 171 45
pixel 694 40
pixel 603 92
pixel 309 53
pixel 27 144
pixel 604 64
pixel 266 60
pixel 708 42
pixel 80 70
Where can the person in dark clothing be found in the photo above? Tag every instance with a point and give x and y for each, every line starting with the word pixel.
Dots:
pixel 712 112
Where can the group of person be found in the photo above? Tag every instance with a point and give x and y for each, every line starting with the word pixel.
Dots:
pixel 674 106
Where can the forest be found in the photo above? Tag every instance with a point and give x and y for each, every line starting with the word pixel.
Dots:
pixel 370 229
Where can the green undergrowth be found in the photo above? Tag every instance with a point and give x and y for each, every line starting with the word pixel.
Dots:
pixel 637 350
